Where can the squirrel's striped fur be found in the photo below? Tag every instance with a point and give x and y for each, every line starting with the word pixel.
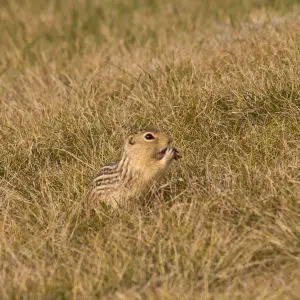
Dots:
pixel 146 156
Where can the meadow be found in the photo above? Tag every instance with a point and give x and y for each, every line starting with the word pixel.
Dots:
pixel 222 77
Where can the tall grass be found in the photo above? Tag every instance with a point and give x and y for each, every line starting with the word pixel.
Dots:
pixel 222 77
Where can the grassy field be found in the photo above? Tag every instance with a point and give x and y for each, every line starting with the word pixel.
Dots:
pixel 222 77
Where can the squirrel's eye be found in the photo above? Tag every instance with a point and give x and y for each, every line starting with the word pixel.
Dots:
pixel 149 136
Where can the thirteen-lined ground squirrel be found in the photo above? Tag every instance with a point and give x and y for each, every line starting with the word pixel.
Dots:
pixel 145 158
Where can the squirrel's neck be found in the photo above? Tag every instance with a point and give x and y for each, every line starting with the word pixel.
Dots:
pixel 126 169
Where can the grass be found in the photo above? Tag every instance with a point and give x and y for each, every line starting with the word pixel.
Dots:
pixel 222 77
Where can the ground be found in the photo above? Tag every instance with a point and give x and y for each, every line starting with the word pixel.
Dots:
pixel 222 77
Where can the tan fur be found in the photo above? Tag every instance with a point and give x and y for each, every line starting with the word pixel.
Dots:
pixel 143 162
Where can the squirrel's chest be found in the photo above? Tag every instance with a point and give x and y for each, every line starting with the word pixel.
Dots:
pixel 139 180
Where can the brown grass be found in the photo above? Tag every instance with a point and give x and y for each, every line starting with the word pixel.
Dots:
pixel 222 77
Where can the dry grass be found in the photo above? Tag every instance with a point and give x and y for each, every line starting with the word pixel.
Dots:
pixel 222 77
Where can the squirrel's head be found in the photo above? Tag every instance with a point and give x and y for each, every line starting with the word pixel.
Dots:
pixel 151 148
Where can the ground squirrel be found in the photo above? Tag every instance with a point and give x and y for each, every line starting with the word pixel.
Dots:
pixel 146 156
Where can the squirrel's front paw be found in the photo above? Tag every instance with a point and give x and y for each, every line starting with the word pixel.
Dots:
pixel 176 154
pixel 172 153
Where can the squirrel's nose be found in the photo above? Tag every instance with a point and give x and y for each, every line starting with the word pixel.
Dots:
pixel 170 139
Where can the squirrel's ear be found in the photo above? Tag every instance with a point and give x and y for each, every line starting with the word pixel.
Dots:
pixel 131 140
